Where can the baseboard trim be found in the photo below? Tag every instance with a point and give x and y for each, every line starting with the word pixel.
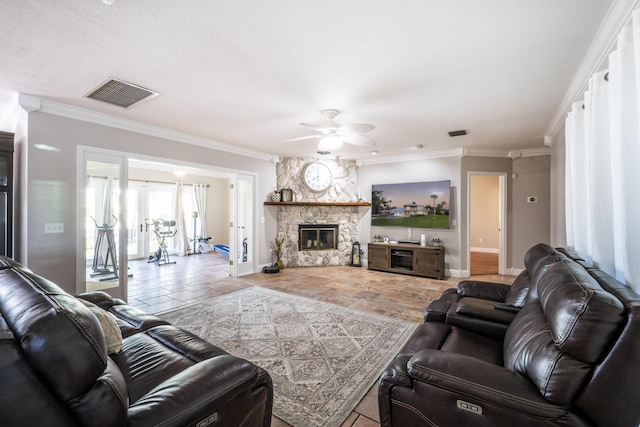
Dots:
pixel 514 271
pixel 457 273
pixel 485 250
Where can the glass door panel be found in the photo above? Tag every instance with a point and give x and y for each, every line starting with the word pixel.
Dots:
pixel 104 226
pixel 243 239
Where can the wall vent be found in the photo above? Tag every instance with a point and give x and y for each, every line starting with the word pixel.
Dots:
pixel 457 133
pixel 120 93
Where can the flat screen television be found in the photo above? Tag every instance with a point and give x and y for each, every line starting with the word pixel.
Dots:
pixel 411 204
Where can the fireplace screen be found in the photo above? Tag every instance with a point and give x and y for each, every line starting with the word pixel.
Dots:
pixel 317 237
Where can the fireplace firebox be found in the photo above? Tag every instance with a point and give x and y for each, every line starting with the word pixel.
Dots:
pixel 317 237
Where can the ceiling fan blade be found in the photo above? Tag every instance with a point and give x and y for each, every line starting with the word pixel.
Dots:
pixel 356 128
pixel 317 128
pixel 303 137
pixel 359 140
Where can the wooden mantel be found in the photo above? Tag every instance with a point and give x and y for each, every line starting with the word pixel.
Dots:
pixel 341 204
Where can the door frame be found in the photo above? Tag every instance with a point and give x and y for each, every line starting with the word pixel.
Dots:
pixel 502 218
pixel 80 194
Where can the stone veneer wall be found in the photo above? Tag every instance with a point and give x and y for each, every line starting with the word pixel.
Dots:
pixel 290 217
pixel 345 180
pixel 344 189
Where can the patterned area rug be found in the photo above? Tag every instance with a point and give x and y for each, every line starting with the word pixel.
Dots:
pixel 322 357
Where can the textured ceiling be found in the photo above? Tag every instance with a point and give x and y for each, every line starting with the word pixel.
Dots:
pixel 247 72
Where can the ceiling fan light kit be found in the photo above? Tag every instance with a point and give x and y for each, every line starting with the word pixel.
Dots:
pixel 330 142
pixel 332 134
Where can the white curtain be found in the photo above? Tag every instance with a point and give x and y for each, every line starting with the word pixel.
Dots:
pixel 181 240
pixel 200 201
pixel 602 169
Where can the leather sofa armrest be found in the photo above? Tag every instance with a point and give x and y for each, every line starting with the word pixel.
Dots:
pixel 224 389
pixel 486 290
pixel 479 381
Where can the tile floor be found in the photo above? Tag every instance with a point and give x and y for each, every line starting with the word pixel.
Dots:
pixel 195 278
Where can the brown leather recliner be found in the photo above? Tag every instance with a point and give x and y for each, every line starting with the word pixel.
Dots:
pixel 55 369
pixel 487 306
pixel 570 357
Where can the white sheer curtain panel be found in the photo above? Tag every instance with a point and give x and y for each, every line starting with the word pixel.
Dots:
pixel 200 199
pixel 181 240
pixel 576 170
pixel 602 170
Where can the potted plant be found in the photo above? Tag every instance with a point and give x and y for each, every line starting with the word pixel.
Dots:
pixel 276 247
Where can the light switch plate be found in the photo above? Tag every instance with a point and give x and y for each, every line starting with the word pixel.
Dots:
pixel 54 227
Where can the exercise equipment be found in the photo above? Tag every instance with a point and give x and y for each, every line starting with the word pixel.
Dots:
pixel 163 230
pixel 200 244
pixel 223 249
pixel 105 231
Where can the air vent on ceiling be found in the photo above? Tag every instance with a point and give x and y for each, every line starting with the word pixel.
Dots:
pixel 457 133
pixel 120 93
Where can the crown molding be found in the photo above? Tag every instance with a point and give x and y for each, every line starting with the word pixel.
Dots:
pixel 618 15
pixel 455 152
pixel 33 103
pixel 460 152
pixel 530 152
pixel 10 115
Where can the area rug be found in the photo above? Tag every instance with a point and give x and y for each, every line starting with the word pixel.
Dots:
pixel 322 357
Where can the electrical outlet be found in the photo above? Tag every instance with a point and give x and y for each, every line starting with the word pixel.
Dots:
pixel 54 227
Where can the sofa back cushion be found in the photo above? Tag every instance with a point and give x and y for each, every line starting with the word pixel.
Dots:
pixel 62 341
pixel 518 291
pixel 557 338
pixel 537 252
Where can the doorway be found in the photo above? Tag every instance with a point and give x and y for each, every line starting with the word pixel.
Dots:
pixel 486 234
pixel 143 189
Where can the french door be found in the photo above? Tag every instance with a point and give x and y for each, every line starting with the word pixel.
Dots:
pixel 147 202
pixel 101 205
pixel 242 237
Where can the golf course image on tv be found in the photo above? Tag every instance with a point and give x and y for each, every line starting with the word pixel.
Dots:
pixel 411 204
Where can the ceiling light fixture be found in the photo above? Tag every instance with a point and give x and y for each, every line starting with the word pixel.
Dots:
pixel 374 152
pixel 108 2
pixel 330 142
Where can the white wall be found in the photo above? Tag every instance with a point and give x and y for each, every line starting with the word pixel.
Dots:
pixel 531 221
pixel 49 185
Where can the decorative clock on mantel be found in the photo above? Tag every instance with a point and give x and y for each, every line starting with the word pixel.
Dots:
pixel 317 177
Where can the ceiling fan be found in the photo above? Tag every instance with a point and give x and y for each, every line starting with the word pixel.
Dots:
pixel 333 134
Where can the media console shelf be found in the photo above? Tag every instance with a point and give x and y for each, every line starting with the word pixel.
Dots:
pixel 425 261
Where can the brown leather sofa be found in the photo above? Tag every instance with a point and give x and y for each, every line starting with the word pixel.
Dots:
pixel 570 356
pixel 55 368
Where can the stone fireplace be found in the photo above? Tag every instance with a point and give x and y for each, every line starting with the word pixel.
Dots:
pixel 344 220
pixel 334 207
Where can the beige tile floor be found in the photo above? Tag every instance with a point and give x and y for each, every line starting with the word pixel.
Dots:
pixel 196 278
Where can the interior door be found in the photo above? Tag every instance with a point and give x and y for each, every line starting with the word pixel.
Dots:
pixel 242 228
pixel 103 204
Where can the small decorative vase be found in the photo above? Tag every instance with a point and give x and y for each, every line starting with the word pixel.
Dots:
pixel 280 264
pixel 275 196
